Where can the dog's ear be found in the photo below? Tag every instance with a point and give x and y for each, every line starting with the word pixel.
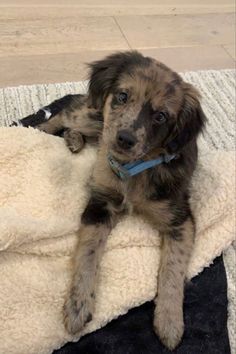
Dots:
pixel 190 121
pixel 104 74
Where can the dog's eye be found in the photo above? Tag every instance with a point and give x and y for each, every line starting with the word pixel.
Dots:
pixel 160 117
pixel 122 97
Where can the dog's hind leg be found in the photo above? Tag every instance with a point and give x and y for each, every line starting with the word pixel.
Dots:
pixel 77 123
pixel 48 112
pixel 70 117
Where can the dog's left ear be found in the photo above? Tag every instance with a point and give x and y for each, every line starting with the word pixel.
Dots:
pixel 190 121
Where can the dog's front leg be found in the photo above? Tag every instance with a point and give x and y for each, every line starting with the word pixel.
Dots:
pixel 79 306
pixel 176 251
pixel 100 215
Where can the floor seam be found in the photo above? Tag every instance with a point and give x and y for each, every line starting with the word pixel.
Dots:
pixel 117 23
pixel 226 51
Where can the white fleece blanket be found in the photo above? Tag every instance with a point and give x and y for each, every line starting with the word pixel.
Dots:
pixel 42 196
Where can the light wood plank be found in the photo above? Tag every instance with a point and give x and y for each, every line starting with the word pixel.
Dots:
pixel 183 30
pixel 29 69
pixel 19 70
pixel 192 58
pixel 114 3
pixel 50 37
pixel 118 9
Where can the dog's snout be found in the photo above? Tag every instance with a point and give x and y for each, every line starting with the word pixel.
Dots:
pixel 125 139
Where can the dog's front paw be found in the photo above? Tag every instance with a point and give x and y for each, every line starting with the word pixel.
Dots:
pixel 74 140
pixel 77 312
pixel 169 325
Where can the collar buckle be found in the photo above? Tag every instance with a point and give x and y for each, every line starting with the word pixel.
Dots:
pixel 118 169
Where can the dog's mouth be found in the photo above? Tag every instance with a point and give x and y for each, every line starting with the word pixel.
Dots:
pixel 124 156
pixel 121 155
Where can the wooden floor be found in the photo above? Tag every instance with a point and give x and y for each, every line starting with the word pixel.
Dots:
pixel 44 41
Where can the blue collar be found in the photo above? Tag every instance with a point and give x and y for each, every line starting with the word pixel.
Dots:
pixel 133 168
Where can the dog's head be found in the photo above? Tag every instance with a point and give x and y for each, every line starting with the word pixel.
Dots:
pixel 146 106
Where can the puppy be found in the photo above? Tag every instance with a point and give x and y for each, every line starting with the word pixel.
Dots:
pixel 147 118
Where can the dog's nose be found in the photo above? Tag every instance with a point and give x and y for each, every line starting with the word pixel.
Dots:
pixel 125 139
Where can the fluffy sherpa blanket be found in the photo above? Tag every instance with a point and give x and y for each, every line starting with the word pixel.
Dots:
pixel 43 193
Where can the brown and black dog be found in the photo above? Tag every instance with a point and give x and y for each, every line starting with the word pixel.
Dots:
pixel 136 108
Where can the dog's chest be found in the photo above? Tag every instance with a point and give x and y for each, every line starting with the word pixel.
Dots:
pixel 138 199
pixel 137 190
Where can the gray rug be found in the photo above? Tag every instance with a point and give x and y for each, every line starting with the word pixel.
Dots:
pixel 218 99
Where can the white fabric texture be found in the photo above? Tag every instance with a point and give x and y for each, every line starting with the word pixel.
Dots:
pixel 43 193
